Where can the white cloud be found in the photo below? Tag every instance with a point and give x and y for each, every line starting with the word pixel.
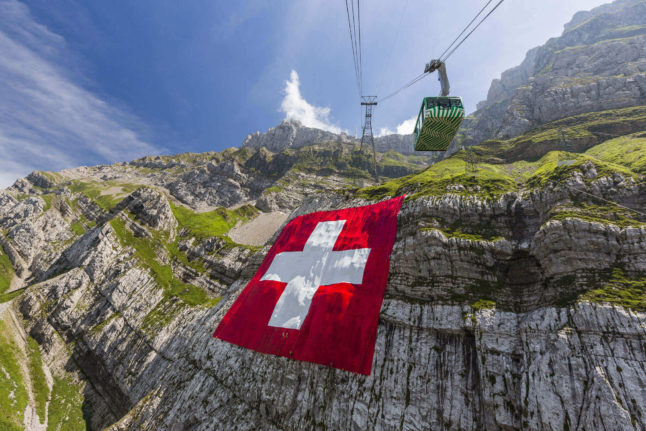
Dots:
pixel 296 107
pixel 47 119
pixel 406 127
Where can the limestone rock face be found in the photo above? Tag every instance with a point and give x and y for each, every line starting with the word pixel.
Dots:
pixel 527 359
pixel 598 63
pixel 151 208
pixel 292 134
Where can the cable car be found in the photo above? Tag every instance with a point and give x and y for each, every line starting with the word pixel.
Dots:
pixel 439 117
pixel 437 123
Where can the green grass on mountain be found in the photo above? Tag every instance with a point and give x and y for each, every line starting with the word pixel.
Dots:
pixel 39 386
pixel 6 272
pixel 213 223
pixel 629 151
pixel 582 132
pixel 488 182
pixel 100 192
pixel 13 393
pixel 608 214
pixel 48 198
pixel 620 289
pixel 551 172
pixel 493 176
pixel 66 406
pixel 77 228
pixel 146 250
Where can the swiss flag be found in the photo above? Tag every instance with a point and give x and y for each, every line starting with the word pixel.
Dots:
pixel 317 295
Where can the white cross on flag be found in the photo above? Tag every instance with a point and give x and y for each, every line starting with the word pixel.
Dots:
pixel 317 295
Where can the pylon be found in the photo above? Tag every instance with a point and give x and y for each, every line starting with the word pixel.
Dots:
pixel 564 146
pixel 369 102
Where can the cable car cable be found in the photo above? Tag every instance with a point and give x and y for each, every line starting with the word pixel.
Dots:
pixel 356 46
pixel 352 45
pixel 403 87
pixel 609 201
pixel 466 28
pixel 419 77
pixel 360 54
pixel 474 29
pixel 392 47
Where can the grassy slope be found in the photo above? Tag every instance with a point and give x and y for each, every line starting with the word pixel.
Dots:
pixel 498 174
pixel 40 389
pixel 13 393
pixel 66 406
pixel 6 275
pixel 502 168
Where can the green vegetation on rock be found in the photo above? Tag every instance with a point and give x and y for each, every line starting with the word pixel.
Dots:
pixel 608 214
pixel 77 228
pixel 39 386
pixel 100 192
pixel 13 394
pixel 483 304
pixel 66 406
pixel 48 198
pixel 6 272
pixel 213 223
pixel 99 327
pixel 146 253
pixel 629 151
pixel 620 289
pixel 489 182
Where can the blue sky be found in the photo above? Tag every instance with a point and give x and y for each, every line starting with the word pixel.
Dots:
pixel 84 83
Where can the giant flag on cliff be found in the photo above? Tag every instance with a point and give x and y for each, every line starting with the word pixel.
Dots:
pixel 317 295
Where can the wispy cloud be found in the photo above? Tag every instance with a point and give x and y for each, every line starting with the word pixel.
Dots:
pixel 296 107
pixel 406 127
pixel 48 120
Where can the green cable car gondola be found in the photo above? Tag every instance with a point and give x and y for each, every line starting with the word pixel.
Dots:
pixel 437 123
pixel 439 117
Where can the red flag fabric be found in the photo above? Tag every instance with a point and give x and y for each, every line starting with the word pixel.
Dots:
pixel 317 295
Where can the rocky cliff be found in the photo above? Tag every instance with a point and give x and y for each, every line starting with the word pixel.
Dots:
pixel 598 63
pixel 515 299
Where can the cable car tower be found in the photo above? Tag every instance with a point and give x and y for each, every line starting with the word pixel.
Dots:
pixel 366 135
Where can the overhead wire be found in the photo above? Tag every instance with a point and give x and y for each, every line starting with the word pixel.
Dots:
pixel 611 202
pixel 360 53
pixel 471 32
pixel 466 28
pixel 443 59
pixel 353 45
pixel 404 87
pixel 392 47
pixel 356 46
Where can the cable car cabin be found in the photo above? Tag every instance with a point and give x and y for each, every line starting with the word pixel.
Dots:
pixel 437 123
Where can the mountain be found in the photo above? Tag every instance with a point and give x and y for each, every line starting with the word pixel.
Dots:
pixel 516 297
pixel 292 134
pixel 597 64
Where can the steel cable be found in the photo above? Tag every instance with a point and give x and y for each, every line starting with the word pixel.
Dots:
pixel 471 32
pixel 419 77
pixel 353 45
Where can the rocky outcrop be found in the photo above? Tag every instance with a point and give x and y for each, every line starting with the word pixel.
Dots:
pixel 292 134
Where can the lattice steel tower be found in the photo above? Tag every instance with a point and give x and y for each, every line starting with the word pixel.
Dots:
pixel 369 102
